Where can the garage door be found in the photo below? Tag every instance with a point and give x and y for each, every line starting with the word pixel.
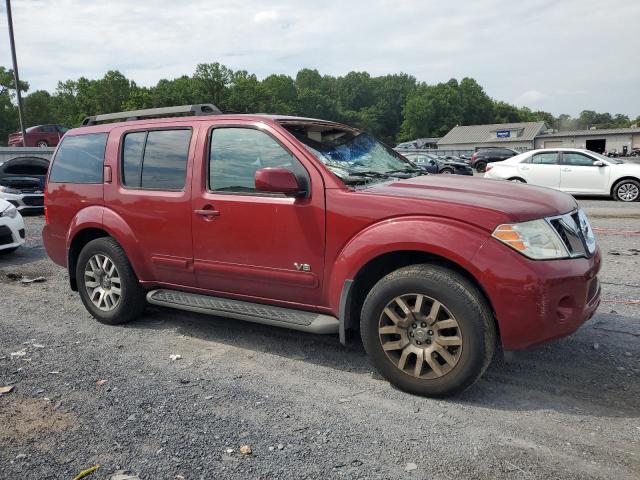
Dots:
pixel 553 144
pixel 636 141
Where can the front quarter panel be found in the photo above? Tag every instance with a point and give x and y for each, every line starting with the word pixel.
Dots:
pixel 456 241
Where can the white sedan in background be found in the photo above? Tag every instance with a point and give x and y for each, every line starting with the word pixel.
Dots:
pixel 11 227
pixel 572 170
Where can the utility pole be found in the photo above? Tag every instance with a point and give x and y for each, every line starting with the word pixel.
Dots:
pixel 16 77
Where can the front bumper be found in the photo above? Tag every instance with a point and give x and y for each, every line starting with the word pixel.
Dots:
pixel 537 301
pixel 25 202
pixel 12 233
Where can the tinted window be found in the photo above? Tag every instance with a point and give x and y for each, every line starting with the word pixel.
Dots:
pixel 550 158
pixel 577 159
pixel 132 158
pixel 236 153
pixel 79 159
pixel 165 159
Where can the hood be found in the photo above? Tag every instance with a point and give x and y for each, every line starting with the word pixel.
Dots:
pixel 479 201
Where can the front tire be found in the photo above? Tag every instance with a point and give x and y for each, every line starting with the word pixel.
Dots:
pixel 446 171
pixel 428 330
pixel 627 191
pixel 42 143
pixel 107 284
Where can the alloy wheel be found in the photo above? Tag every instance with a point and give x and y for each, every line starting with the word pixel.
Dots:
pixel 628 192
pixel 102 282
pixel 420 336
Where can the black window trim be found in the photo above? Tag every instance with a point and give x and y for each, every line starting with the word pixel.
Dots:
pixel 104 155
pixel 207 156
pixel 144 148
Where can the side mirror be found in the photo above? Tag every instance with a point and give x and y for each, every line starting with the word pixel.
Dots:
pixel 599 163
pixel 277 180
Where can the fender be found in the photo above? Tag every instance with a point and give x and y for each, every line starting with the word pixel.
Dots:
pixel 106 219
pixel 418 233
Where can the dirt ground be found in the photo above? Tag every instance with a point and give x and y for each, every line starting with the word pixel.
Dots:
pixel 86 394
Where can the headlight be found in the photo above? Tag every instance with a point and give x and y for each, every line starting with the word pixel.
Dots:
pixel 13 191
pixel 10 211
pixel 536 239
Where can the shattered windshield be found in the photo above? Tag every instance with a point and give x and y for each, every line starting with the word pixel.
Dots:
pixel 353 156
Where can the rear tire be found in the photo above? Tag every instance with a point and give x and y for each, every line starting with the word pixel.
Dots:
pixel 481 167
pixel 446 171
pixel 450 331
pixel 42 143
pixel 107 284
pixel 517 180
pixel 627 190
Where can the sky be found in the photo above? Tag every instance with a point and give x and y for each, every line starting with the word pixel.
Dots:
pixel 561 56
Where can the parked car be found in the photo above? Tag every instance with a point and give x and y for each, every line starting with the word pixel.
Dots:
pixel 316 226
pixel 484 156
pixel 11 227
pixel 38 136
pixel 572 170
pixel 22 182
pixel 434 164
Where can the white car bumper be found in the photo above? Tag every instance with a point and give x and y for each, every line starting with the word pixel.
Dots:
pixel 11 232
pixel 25 202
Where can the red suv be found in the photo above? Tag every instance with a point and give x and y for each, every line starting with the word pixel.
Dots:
pixel 316 226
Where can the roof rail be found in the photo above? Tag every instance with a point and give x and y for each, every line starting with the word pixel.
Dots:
pixel 199 109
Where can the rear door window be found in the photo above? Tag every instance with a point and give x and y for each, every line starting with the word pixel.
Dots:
pixel 155 159
pixel 547 158
pixel 79 159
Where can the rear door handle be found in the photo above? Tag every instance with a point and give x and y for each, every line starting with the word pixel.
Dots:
pixel 208 213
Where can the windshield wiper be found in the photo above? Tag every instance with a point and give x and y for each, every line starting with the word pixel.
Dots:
pixel 407 171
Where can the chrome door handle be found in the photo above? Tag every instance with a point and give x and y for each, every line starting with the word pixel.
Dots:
pixel 207 213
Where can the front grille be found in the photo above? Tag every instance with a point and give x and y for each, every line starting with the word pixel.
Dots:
pixel 5 235
pixel 568 229
pixel 21 232
pixel 14 203
pixel 34 201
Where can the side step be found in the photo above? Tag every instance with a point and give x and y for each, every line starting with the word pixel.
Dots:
pixel 251 312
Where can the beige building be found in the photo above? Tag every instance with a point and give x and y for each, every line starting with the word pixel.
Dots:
pixel 518 136
pixel 609 140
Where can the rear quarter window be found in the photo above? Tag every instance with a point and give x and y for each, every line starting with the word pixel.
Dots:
pixel 79 159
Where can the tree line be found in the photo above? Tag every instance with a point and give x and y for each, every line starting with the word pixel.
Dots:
pixel 393 107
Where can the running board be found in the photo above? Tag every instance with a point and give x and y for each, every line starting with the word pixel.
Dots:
pixel 251 312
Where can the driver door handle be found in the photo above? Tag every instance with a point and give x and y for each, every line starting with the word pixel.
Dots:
pixel 208 213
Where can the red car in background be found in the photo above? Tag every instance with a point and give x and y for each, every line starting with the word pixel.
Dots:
pixel 39 136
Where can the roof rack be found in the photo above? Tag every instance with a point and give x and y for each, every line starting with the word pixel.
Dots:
pixel 199 109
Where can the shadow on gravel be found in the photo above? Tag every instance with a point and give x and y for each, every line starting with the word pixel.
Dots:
pixel 567 376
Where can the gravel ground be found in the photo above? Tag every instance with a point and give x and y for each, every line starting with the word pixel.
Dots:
pixel 87 394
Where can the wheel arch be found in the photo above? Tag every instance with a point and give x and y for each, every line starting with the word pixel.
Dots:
pixel 96 222
pixel 391 252
pixel 615 183
pixel 79 240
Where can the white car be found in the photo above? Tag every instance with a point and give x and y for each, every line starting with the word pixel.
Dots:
pixel 11 227
pixel 572 170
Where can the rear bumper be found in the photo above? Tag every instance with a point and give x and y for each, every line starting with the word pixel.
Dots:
pixel 538 301
pixel 55 247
